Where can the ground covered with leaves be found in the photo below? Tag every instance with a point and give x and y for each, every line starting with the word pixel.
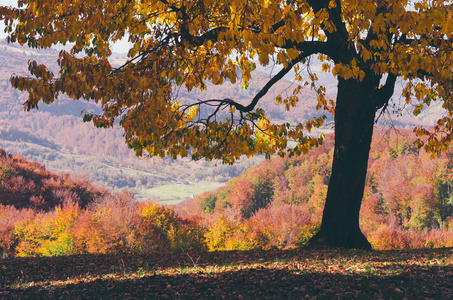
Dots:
pixel 276 274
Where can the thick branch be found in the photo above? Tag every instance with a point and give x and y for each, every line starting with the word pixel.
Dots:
pixel 270 83
pixel 219 104
pixel 382 96
pixel 211 35
pixel 310 47
pixel 339 37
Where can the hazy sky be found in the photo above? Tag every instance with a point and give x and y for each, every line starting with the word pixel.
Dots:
pixel 2 25
pixel 119 47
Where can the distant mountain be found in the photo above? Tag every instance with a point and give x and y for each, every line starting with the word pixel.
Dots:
pixel 56 136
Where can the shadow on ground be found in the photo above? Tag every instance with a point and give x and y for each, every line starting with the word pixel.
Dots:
pixel 243 275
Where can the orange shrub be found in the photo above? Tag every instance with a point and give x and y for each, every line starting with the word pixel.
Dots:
pixel 161 229
pixel 438 239
pixel 109 225
pixel 388 238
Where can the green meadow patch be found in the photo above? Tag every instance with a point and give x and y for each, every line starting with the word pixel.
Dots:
pixel 176 192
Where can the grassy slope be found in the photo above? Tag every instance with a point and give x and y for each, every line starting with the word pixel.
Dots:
pixel 323 274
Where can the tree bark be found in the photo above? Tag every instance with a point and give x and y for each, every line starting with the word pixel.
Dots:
pixel 354 121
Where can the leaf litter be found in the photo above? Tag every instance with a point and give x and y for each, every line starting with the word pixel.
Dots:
pixel 274 274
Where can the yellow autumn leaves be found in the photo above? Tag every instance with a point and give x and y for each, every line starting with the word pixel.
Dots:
pixel 183 43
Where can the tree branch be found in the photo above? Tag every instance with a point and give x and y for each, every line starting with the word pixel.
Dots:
pixel 270 83
pixel 382 96
pixel 219 104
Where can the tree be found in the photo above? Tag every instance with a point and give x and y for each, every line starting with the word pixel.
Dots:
pixel 242 196
pixel 367 45
pixel 443 201
pixel 208 202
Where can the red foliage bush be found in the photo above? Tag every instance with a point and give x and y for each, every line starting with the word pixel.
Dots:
pixel 191 206
pixel 241 197
pixel 371 214
pixel 284 226
pixel 438 239
pixel 9 216
pixel 388 238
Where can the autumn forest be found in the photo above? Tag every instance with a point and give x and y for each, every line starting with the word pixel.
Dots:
pixel 276 204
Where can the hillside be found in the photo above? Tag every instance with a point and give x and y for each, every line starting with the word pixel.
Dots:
pixel 79 240
pixel 26 184
pixel 407 201
pixel 117 248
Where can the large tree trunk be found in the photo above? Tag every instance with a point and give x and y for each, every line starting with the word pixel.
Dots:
pixel 354 121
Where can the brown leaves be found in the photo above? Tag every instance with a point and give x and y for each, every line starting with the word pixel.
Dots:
pixel 243 275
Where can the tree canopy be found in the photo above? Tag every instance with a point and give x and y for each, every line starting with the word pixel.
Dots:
pixel 367 45
pixel 186 43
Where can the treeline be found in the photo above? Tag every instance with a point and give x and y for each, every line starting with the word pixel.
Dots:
pixel 407 204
